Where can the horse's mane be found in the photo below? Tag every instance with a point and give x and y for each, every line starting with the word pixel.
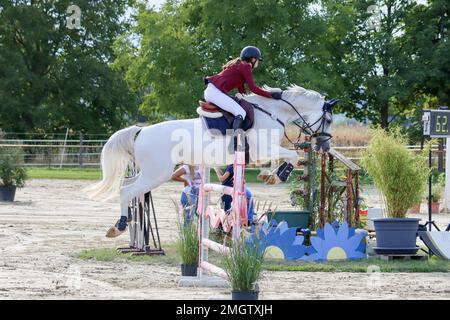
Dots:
pixel 294 91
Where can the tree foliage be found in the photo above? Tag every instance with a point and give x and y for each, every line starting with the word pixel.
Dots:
pixel 373 55
pixel 52 76
pixel 385 59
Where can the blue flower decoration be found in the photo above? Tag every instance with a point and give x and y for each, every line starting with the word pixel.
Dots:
pixel 280 241
pixel 336 242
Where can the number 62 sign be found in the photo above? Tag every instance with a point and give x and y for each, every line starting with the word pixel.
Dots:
pixel 436 123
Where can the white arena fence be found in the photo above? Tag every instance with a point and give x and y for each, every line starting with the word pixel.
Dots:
pixel 85 153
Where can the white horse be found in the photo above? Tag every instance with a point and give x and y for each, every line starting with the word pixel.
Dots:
pixel 157 149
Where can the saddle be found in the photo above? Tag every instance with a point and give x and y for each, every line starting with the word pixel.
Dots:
pixel 216 118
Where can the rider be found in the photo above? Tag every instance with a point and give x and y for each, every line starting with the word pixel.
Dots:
pixel 234 75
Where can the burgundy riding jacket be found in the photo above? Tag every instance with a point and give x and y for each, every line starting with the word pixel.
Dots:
pixel 234 77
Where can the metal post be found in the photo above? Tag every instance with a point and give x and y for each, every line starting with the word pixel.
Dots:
pixel 446 207
pixel 64 149
pixel 430 192
pixel 80 154
pixel 441 155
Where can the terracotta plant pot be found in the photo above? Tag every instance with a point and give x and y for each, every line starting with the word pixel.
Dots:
pixel 435 207
pixel 415 209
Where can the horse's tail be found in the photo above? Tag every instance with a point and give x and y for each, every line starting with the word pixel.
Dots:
pixel 117 154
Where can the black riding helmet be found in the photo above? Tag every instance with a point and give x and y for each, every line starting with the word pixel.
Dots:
pixel 250 52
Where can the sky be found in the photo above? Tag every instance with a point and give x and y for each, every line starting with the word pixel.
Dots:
pixel 156 2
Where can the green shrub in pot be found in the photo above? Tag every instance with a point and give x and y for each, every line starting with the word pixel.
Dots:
pixel 243 267
pixel 12 172
pixel 401 176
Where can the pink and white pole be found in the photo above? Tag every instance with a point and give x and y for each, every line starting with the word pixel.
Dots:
pixel 206 269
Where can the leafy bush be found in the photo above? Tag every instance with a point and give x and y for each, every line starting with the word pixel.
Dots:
pixel 399 174
pixel 243 265
pixel 437 189
pixel 12 171
pixel 437 193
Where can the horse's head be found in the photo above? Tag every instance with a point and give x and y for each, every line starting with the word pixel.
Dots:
pixel 314 112
pixel 323 135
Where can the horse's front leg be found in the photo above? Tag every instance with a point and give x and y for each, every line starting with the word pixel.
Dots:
pixel 284 170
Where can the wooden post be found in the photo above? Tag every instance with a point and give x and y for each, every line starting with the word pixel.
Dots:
pixel 357 223
pixel 349 191
pixel 322 191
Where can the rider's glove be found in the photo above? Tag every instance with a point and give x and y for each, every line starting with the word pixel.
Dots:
pixel 277 95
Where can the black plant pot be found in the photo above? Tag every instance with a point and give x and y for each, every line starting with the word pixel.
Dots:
pixel 239 295
pixel 7 193
pixel 189 270
pixel 396 235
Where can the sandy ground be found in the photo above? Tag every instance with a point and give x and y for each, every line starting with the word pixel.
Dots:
pixel 52 221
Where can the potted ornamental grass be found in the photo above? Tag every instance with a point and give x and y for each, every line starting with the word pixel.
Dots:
pixel 12 172
pixel 243 266
pixel 187 247
pixel 401 176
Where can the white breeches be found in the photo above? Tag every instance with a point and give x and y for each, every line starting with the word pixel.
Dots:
pixel 222 100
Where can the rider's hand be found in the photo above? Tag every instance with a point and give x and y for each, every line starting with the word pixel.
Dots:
pixel 277 95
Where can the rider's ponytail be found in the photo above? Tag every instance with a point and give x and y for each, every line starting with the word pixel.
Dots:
pixel 231 63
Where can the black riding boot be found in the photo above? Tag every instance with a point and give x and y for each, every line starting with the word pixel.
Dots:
pixel 237 124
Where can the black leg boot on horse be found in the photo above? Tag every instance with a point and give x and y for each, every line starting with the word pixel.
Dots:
pixel 282 173
pixel 237 128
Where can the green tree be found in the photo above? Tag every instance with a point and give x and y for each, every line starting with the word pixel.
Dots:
pixel 427 43
pixel 54 75
pixel 390 58
pixel 365 41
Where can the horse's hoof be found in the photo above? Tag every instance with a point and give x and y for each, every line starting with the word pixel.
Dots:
pixel 273 179
pixel 114 232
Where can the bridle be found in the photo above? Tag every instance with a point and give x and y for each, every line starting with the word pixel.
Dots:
pixel 307 128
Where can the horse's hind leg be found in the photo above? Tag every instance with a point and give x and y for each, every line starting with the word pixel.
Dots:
pixel 145 182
